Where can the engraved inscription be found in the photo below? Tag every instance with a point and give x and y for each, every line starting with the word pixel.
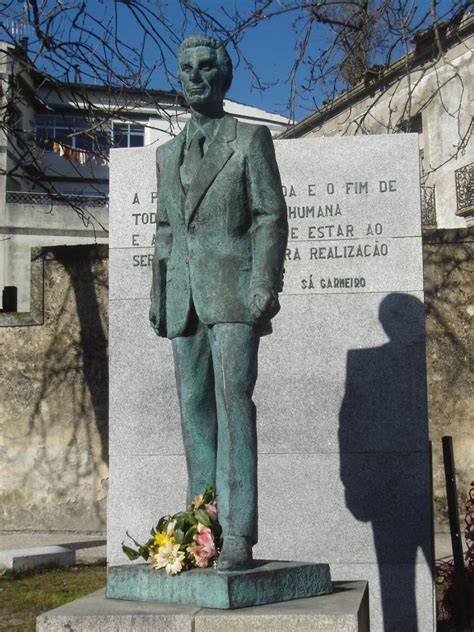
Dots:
pixel 332 245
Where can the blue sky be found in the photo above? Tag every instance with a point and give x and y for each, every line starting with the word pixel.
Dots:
pixel 269 46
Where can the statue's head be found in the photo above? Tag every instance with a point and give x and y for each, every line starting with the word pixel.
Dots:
pixel 205 71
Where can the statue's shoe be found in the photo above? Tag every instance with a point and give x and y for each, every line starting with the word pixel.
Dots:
pixel 236 554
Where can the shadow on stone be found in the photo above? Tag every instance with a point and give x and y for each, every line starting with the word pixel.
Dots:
pixel 383 419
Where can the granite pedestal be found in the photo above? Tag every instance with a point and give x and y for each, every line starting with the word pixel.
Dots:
pixel 265 582
pixel 345 610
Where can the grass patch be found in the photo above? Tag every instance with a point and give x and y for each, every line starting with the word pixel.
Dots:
pixel 25 595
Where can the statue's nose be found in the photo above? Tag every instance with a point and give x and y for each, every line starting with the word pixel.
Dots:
pixel 195 75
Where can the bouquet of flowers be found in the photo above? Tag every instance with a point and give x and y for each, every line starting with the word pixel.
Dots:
pixel 189 539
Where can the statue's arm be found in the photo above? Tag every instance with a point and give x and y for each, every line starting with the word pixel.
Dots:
pixel 163 241
pixel 269 224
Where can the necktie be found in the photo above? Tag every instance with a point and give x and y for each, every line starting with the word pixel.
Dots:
pixel 193 158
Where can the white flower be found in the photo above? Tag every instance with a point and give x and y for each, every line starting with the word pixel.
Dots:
pixel 170 558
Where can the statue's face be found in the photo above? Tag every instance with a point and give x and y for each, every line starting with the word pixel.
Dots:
pixel 201 77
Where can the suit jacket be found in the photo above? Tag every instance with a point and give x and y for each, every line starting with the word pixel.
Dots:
pixel 222 237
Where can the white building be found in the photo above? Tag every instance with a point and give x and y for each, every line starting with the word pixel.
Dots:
pixel 429 92
pixel 54 163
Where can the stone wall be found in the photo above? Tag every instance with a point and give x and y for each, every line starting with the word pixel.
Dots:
pixel 53 392
pixel 54 399
pixel 449 303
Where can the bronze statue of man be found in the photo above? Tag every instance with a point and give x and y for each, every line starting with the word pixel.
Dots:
pixel 218 265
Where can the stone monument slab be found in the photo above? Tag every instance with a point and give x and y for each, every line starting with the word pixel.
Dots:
pixel 36 557
pixel 341 399
pixel 345 610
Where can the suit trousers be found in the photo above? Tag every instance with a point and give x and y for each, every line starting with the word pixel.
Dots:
pixel 216 371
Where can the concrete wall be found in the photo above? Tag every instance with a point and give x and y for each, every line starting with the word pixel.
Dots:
pixel 27 226
pixel 53 396
pixel 54 400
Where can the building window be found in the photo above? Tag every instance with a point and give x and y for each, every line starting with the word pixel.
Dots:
pixel 75 132
pixel 128 135
pixel 413 125
pixel 10 299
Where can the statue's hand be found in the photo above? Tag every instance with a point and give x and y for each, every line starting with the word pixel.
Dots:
pixel 263 302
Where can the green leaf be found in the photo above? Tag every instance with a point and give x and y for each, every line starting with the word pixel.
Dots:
pixel 179 536
pixel 180 520
pixel 189 518
pixel 133 540
pixel 208 495
pixel 189 535
pixel 203 517
pixel 144 552
pixel 130 553
pixel 162 523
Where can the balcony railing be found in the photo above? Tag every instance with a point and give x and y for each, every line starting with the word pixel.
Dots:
pixel 48 199
pixel 465 190
pixel 428 206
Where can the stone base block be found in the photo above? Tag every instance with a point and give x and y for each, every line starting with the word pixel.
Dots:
pixel 344 610
pixel 266 582
pixel 36 557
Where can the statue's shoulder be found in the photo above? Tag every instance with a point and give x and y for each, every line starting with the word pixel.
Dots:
pixel 248 133
pixel 248 130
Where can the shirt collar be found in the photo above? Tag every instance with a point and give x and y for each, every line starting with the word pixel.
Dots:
pixel 209 129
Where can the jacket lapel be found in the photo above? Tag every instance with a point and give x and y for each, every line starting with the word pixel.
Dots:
pixel 219 152
pixel 171 174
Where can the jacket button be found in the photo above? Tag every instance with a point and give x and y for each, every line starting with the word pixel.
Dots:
pixel 192 227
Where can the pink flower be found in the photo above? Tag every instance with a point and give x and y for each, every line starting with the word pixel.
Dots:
pixel 211 509
pixel 203 548
pixel 208 551
pixel 203 555
pixel 204 536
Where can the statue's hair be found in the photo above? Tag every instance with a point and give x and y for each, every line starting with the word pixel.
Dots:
pixel 224 62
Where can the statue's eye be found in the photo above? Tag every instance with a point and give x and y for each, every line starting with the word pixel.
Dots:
pixel 206 67
pixel 186 68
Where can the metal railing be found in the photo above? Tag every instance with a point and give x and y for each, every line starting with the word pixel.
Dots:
pixel 48 199
pixel 465 190
pixel 428 206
